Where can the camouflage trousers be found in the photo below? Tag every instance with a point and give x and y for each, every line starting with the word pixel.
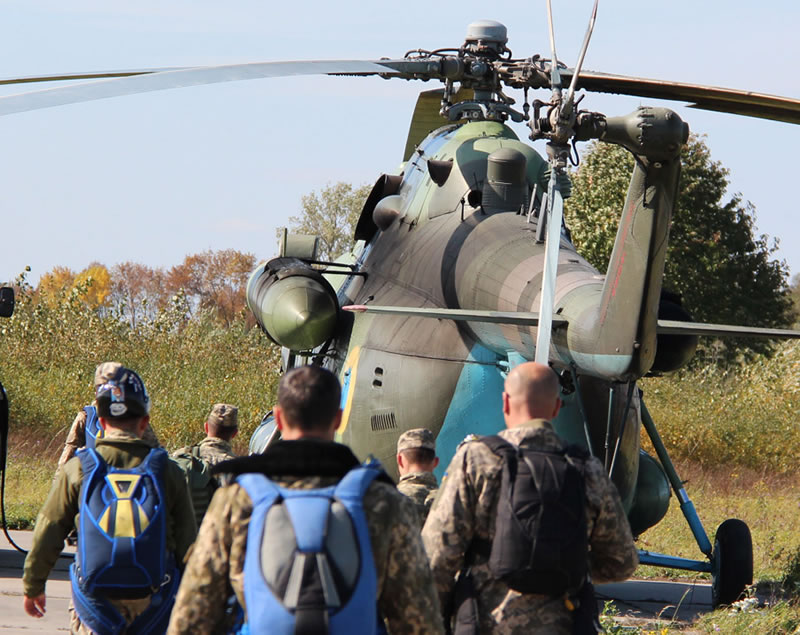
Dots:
pixel 129 609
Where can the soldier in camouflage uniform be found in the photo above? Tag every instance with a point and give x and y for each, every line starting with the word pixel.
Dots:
pixel 307 415
pixel 467 504
pixel 416 460
pixel 221 426
pixel 76 438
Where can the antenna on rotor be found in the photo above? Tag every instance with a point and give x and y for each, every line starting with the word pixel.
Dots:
pixel 559 130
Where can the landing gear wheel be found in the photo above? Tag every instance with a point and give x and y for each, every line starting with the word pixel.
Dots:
pixel 732 562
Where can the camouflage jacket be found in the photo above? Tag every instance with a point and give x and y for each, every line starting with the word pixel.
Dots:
pixel 216 450
pixel 421 487
pixel 406 595
pixel 59 514
pixel 465 509
pixel 76 438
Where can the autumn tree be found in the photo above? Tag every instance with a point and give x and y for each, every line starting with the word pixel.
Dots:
pixel 331 214
pixel 93 285
pixel 53 284
pixel 214 281
pixel 723 270
pixel 137 291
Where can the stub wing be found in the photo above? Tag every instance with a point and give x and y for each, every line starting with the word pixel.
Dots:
pixel 670 327
pixel 459 315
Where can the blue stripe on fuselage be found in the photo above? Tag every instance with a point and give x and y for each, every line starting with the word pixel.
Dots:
pixel 476 406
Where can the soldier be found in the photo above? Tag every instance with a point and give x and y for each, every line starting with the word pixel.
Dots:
pixel 416 460
pixel 76 438
pixel 463 516
pixel 197 461
pixel 306 463
pixel 221 426
pixel 123 575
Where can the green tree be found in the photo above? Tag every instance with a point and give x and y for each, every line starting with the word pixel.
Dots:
pixel 331 214
pixel 724 272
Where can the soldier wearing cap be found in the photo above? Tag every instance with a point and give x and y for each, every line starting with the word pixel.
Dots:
pixel 220 427
pixel 416 460
pixel 76 438
pixel 123 407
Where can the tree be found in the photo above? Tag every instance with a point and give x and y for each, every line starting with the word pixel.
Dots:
pixel 332 215
pixel 214 280
pixel 96 281
pixel 53 284
pixel 724 272
pixel 137 291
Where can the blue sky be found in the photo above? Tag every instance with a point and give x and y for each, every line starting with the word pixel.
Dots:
pixel 154 177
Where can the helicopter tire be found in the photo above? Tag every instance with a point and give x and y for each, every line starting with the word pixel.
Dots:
pixel 732 562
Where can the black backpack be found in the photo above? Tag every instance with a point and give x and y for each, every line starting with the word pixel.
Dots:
pixel 540 543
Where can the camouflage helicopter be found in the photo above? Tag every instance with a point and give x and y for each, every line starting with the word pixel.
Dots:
pixel 462 267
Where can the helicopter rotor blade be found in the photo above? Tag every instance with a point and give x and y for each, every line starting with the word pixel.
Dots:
pixel 568 102
pixel 555 76
pixel 147 81
pixel 729 100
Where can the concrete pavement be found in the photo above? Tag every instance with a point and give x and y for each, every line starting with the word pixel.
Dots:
pixel 638 601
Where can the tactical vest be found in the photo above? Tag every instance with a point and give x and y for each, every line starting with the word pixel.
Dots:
pixel 93 429
pixel 540 541
pixel 309 565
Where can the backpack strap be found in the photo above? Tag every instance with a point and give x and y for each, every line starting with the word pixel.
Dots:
pixel 355 483
pixel 92 430
pixel 498 445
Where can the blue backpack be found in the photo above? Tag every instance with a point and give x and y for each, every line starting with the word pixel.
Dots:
pixel 309 565
pixel 94 430
pixel 122 544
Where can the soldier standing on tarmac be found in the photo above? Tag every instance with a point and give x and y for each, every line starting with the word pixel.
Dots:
pixel 397 581
pixel 462 525
pixel 416 460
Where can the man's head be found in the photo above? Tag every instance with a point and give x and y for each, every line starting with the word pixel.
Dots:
pixel 416 451
pixel 531 392
pixel 222 421
pixel 308 404
pixel 122 400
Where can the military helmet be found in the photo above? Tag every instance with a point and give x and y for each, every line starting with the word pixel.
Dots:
pixel 123 396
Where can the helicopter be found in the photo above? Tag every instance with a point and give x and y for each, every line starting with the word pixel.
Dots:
pixel 462 268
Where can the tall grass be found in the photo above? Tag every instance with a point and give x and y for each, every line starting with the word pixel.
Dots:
pixel 746 416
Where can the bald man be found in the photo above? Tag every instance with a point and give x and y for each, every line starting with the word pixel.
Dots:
pixel 464 514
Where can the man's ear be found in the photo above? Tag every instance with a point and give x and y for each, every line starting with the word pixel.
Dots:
pixel 337 420
pixel 506 404
pixel 205 427
pixel 278 414
pixel 143 424
pixel 435 462
pixel 400 460
pixel 557 407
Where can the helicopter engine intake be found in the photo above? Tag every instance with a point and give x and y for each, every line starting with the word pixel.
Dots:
pixel 294 305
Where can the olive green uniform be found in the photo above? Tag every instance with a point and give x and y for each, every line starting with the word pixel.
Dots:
pixel 466 507
pixel 76 438
pixel 406 595
pixel 421 487
pixel 59 514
